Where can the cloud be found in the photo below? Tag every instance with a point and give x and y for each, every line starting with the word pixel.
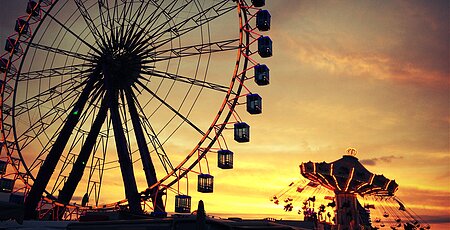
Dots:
pixel 385 159
pixel 408 45
pixel 436 219
pixel 380 66
pixel 425 201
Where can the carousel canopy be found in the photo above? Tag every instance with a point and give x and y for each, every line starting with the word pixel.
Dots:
pixel 348 175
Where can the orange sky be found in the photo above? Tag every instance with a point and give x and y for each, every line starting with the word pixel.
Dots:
pixel 367 74
pixel 372 75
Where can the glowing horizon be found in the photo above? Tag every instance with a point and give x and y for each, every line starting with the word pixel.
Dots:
pixel 372 75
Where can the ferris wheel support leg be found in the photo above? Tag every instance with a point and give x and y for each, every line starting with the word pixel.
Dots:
pixel 147 163
pixel 66 193
pixel 126 166
pixel 48 167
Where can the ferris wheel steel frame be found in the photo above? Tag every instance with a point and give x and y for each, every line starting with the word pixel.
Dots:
pixel 93 91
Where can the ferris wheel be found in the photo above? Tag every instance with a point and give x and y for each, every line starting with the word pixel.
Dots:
pixel 132 96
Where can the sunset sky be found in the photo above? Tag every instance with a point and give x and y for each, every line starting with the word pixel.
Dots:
pixel 373 75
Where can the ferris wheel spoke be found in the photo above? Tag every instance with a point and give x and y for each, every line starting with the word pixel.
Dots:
pixel 50 94
pixel 118 35
pixel 77 70
pixel 37 129
pixel 127 35
pixel 107 20
pixel 185 119
pixel 169 11
pixel 49 165
pixel 38 161
pixel 58 90
pixel 125 163
pixel 130 12
pixel 153 137
pixel 44 122
pixel 72 32
pixel 193 50
pixel 197 20
pixel 61 52
pixel 184 79
pixel 97 92
pixel 134 38
pixel 153 18
pixel 103 19
pixel 66 193
pixel 88 20
pixel 138 16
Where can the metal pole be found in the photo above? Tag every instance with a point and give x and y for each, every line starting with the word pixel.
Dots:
pixel 66 193
pixel 126 166
pixel 49 165
pixel 149 168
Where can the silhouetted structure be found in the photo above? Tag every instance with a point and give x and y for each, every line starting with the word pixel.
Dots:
pixel 105 72
pixel 347 177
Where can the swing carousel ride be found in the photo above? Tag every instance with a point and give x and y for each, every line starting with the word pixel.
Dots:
pixel 344 195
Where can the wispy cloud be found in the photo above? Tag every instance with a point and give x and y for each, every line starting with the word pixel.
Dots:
pixel 406 47
pixel 385 159
pixel 426 201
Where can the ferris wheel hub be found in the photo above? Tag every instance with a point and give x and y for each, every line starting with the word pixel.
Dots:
pixel 121 68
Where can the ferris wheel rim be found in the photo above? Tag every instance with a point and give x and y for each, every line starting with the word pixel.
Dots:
pixel 195 148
